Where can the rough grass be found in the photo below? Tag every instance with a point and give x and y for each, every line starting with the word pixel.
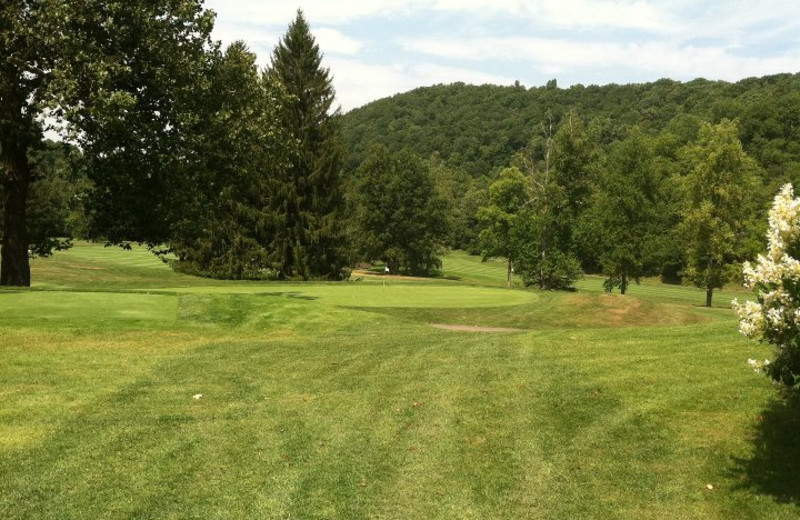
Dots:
pixel 310 408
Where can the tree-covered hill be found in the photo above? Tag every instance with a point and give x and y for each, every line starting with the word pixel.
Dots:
pixel 479 128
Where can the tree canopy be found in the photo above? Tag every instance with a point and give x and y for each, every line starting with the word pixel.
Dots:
pixel 627 219
pixel 478 128
pixel 112 74
pixel 401 218
pixel 228 214
pixel 720 187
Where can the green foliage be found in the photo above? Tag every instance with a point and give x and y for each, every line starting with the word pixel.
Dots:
pixel 543 259
pixel 401 216
pixel 113 75
pixel 499 219
pixel 133 92
pixel 477 128
pixel 544 240
pixel 720 187
pixel 461 193
pixel 309 238
pixel 628 217
pixel 230 214
pixel 55 205
pixel 483 129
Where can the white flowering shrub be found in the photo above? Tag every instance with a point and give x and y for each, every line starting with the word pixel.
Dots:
pixel 775 277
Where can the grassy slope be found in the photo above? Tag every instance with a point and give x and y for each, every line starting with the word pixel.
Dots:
pixel 311 408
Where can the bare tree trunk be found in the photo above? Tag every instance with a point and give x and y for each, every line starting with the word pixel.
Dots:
pixel 509 273
pixel 623 286
pixel 709 293
pixel 14 264
pixel 544 232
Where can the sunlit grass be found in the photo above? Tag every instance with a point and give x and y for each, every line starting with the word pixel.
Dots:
pixel 261 400
pixel 471 268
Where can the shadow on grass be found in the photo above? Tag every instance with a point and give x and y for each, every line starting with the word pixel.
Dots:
pixel 300 296
pixel 774 468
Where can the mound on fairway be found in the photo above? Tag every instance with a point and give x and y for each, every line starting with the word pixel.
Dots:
pixel 396 295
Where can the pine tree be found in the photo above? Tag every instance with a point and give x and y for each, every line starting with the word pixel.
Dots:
pixel 310 241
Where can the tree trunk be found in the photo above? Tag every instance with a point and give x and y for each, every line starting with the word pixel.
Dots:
pixel 542 283
pixel 623 284
pixel 14 265
pixel 509 273
pixel 394 266
pixel 709 292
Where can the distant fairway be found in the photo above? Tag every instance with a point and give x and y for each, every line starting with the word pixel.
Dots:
pixel 130 391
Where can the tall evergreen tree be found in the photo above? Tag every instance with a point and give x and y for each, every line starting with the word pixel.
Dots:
pixel 311 239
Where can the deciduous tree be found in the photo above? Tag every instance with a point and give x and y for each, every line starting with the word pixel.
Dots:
pixel 112 73
pixel 401 218
pixel 627 217
pixel 508 197
pixel 559 184
pixel 720 188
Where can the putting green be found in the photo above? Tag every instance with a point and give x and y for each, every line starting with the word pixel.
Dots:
pixel 85 308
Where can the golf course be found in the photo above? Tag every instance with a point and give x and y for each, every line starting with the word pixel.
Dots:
pixel 130 391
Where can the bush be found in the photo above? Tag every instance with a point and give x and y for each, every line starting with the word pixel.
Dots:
pixel 774 317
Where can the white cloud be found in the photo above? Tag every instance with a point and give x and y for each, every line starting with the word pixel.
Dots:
pixel 332 41
pixel 563 13
pixel 618 14
pixel 636 14
pixel 280 12
pixel 357 83
pixel 651 59
pixel 374 48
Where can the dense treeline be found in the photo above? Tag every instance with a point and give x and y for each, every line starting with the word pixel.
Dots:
pixel 232 171
pixel 477 128
pixel 665 178
pixel 236 172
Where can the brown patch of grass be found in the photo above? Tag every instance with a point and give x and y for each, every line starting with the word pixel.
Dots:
pixel 557 310
pixel 472 328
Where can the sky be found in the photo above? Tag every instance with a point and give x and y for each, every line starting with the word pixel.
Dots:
pixel 377 48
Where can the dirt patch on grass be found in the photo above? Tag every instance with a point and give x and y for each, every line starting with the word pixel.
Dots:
pixel 472 328
pixel 360 273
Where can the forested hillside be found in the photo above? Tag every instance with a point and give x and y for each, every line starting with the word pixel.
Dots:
pixel 664 178
pixel 479 128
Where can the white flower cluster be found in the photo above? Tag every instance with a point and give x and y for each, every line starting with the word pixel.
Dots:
pixel 751 319
pixel 776 314
pixel 758 366
pixel 784 228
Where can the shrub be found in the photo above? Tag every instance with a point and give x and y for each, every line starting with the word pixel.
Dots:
pixel 774 317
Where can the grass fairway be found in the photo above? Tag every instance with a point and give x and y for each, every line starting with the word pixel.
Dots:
pixel 129 391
